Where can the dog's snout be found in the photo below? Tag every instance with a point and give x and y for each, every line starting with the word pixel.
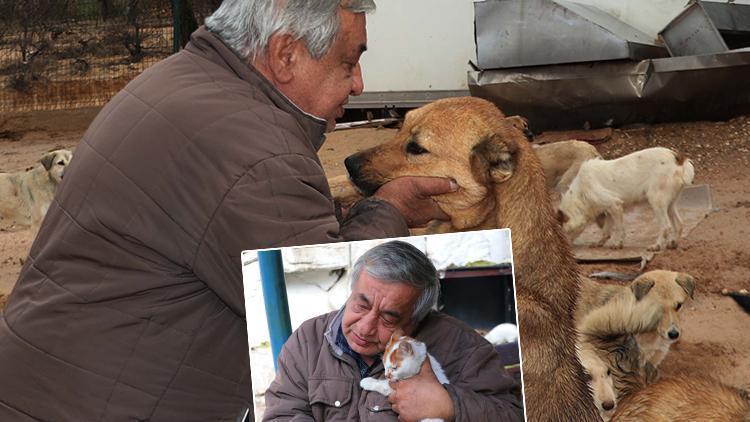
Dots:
pixel 608 405
pixel 673 334
pixel 354 166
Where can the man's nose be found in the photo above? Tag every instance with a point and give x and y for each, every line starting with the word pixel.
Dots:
pixel 358 85
pixel 368 324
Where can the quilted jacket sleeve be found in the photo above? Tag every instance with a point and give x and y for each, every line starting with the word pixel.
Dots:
pixel 287 396
pixel 281 201
pixel 483 392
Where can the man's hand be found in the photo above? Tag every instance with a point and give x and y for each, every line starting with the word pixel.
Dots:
pixel 421 397
pixel 411 197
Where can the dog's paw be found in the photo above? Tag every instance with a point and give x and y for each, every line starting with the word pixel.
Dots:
pixel 654 248
pixel 672 244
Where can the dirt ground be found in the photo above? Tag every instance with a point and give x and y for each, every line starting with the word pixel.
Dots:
pixel 717 252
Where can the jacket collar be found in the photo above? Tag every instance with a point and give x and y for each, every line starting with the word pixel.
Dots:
pixel 207 44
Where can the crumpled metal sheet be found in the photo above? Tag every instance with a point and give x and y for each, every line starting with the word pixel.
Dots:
pixel 514 33
pixel 614 93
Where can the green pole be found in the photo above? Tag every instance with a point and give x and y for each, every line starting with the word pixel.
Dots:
pixel 176 25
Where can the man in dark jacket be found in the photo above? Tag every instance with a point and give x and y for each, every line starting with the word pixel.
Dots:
pixel 130 305
pixel 394 285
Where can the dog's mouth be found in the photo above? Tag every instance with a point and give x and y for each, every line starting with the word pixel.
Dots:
pixel 365 185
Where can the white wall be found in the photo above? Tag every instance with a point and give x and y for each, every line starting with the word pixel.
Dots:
pixel 419 45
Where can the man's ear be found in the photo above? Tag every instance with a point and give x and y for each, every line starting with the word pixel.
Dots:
pixel 492 161
pixel 282 56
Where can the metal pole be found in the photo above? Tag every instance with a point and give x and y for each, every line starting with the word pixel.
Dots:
pixel 176 25
pixel 274 296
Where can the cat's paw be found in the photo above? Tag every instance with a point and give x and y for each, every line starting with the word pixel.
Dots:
pixel 380 386
pixel 369 383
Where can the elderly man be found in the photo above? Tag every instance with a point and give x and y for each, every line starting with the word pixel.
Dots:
pixel 393 285
pixel 130 305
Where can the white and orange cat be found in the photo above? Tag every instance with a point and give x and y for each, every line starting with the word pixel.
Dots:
pixel 402 359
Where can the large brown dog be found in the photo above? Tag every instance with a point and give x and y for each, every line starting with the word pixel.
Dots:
pixel 501 185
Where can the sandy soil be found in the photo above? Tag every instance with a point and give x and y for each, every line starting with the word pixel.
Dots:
pixel 716 252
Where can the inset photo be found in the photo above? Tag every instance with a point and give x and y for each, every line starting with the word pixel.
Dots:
pixel 419 328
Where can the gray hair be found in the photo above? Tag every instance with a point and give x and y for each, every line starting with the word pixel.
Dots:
pixel 398 261
pixel 246 26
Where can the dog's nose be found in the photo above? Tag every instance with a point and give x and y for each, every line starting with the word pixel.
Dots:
pixel 608 405
pixel 353 164
pixel 673 334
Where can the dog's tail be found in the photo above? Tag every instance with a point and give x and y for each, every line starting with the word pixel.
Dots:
pixel 621 316
pixel 688 170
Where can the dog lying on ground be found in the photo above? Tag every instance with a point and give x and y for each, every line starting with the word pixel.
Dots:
pixel 683 398
pixel 672 290
pixel 668 289
pixel 656 175
pixel 642 396
pixel 561 161
pixel 25 196
pixel 501 184
pixel 603 331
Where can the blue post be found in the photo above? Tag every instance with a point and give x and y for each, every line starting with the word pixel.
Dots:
pixel 274 296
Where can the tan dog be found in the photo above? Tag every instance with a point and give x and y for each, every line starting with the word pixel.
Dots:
pixel 669 289
pixel 602 332
pixel 684 399
pixel 672 290
pixel 501 185
pixel 561 161
pixel 643 397
pixel 25 196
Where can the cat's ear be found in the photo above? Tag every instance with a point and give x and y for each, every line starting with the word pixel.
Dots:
pixel 405 348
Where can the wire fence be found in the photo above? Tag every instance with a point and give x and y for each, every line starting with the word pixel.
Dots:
pixel 63 54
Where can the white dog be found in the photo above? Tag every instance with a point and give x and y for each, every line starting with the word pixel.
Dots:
pixel 25 196
pixel 656 175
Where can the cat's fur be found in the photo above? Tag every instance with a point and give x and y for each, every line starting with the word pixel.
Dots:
pixel 402 359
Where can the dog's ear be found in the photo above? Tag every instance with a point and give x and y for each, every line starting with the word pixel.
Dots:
pixel 492 160
pixel 562 218
pixel 601 218
pixel 48 159
pixel 641 287
pixel 687 282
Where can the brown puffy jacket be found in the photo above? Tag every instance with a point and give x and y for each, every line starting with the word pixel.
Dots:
pixel 130 306
pixel 316 381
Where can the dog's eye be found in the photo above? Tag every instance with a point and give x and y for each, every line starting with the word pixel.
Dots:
pixel 61 163
pixel 678 306
pixel 415 149
pixel 609 372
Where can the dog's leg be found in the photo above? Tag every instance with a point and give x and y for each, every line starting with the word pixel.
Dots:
pixel 606 226
pixel 618 227
pixel 676 221
pixel 658 356
pixel 662 221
